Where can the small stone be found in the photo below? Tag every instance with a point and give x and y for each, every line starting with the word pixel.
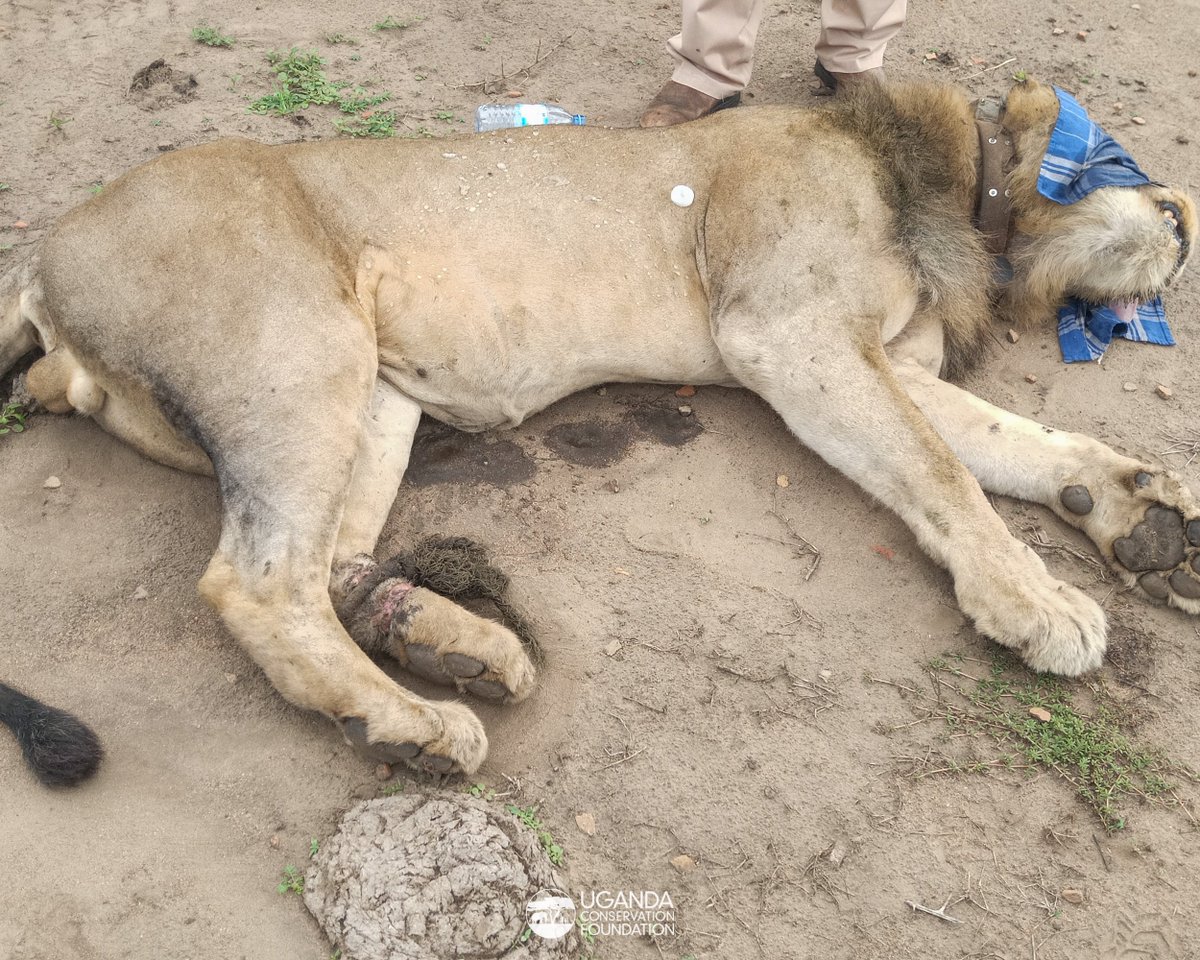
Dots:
pixel 612 486
pixel 1081 35
pixel 1135 6
pixel 1118 107
pixel 683 863
pixel 782 481
pixel 1041 713
pixel 231 677
pixel 141 593
pixel 1072 896
pixel 502 166
pixel 685 410
pixel 837 853
pixel 586 822
pixel 1129 386
pixel 687 390
pixel 613 648
pixel 165 146
pixel 1194 73
pixel 383 772
pixel 52 483
pixel 825 674
pixel 1140 121
pixel 20 225
pixel 274 841
pixel 513 94
pixel 1164 391
pixel 1030 378
pixel 1181 138
pixel 1013 336
pixel 602 392
pixel 1058 31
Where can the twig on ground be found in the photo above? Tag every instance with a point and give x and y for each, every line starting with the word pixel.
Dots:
pixel 940 912
pixel 980 73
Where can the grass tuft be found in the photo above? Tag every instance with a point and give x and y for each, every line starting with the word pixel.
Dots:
pixel 211 37
pixel 1033 722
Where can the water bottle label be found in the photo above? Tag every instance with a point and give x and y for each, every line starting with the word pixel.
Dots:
pixel 533 114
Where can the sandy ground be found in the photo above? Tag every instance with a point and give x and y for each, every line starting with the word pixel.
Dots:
pixel 735 748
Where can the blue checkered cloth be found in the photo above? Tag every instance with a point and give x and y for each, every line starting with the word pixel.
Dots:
pixel 1083 158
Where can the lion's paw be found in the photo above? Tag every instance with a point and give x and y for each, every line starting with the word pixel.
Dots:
pixel 1147 525
pixel 1053 626
pixel 445 643
pixel 455 741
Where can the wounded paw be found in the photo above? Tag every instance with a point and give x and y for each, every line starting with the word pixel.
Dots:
pixel 430 635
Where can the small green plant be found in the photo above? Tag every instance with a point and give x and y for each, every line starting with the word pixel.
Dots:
pixel 484 43
pixel 301 83
pixel 341 38
pixel 446 115
pixel 5 247
pixel 292 881
pixel 1020 76
pixel 4 186
pixel 57 121
pixel 314 847
pixel 481 791
pixel 391 23
pixel 211 37
pixel 528 816
pixel 96 188
pixel 357 100
pixel 376 125
pixel 392 789
pixel 12 418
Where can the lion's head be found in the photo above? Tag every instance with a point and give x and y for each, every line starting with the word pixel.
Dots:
pixel 1115 245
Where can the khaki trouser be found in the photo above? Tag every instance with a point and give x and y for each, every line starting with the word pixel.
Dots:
pixel 715 49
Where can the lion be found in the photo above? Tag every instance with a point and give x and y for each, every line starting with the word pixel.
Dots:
pixel 280 317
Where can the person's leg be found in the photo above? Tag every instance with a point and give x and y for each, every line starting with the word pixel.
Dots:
pixel 715 54
pixel 854 37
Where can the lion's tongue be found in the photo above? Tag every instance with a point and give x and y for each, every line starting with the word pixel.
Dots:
pixel 1126 310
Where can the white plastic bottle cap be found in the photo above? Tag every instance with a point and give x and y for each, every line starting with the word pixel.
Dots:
pixel 682 195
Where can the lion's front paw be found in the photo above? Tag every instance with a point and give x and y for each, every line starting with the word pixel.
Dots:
pixel 1053 626
pixel 1148 527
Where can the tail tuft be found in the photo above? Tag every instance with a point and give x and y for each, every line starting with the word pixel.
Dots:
pixel 62 750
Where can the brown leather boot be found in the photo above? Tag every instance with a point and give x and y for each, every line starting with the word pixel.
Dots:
pixel 676 103
pixel 830 83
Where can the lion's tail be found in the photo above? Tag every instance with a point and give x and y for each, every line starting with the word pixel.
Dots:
pixel 61 749
pixel 20 294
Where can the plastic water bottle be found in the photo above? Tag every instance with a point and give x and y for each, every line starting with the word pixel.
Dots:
pixel 500 116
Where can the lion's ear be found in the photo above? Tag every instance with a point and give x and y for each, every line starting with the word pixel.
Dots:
pixel 1031 105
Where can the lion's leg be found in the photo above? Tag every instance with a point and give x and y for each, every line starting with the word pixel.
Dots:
pixel 843 400
pixel 1144 519
pixel 284 470
pixel 427 633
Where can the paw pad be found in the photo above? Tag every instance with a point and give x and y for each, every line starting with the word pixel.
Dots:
pixel 1077 498
pixel 1154 544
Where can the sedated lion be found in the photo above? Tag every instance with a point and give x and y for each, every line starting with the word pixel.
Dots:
pixel 281 316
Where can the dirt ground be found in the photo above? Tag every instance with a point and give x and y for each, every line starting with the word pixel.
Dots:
pixel 702 696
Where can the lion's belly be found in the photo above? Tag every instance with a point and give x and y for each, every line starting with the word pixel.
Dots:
pixel 482 342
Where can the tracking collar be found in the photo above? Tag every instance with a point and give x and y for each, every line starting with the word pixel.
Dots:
pixel 993 206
